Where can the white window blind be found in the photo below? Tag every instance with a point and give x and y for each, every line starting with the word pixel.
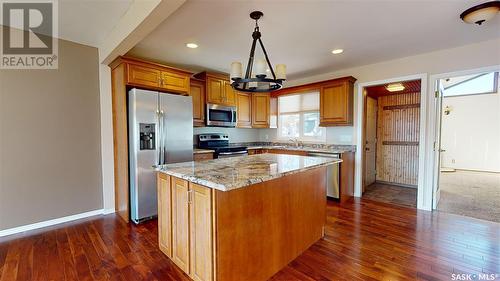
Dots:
pixel 299 117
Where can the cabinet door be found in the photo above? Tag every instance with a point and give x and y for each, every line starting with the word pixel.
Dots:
pixel 143 76
pixel 164 215
pixel 203 156
pixel 260 110
pixel 215 90
pixel 244 107
pixel 175 81
pixel 180 223
pixel 201 233
pixel 197 91
pixel 336 104
pixel 229 94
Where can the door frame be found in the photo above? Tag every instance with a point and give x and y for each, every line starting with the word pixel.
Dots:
pixel 424 192
pixel 435 130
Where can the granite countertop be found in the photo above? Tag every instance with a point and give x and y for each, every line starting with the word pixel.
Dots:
pixel 231 173
pixel 200 150
pixel 302 148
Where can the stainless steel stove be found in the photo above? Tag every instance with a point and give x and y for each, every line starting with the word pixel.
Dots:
pixel 220 143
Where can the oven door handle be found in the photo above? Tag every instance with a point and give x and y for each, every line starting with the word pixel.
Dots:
pixel 232 153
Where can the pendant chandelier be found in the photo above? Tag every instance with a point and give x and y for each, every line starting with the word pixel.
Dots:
pixel 256 79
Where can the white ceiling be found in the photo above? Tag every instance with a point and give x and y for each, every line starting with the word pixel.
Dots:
pixel 302 34
pixel 89 21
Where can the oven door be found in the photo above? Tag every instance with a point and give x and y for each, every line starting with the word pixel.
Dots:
pixel 232 154
pixel 221 116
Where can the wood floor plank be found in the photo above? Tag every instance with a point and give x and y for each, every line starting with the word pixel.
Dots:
pixel 364 240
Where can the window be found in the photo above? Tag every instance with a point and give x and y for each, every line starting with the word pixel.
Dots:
pixel 484 83
pixel 299 117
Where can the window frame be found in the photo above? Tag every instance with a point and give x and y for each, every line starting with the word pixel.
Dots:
pixel 301 114
pixel 495 89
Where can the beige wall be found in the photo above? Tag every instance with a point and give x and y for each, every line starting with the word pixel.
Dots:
pixel 471 56
pixel 50 164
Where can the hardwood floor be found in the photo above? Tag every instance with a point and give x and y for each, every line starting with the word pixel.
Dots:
pixel 365 240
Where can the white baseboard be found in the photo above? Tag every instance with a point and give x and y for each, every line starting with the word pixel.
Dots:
pixel 41 224
pixel 108 211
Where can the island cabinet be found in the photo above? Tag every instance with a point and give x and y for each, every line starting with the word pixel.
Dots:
pixel 218 88
pixel 244 233
pixel 185 225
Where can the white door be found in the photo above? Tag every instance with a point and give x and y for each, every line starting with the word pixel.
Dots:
pixel 370 141
pixel 437 145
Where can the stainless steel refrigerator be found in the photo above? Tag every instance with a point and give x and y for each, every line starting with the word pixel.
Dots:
pixel 160 132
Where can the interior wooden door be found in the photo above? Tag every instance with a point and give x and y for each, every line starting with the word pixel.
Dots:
pixel 370 141
pixel 260 110
pixel 164 215
pixel 244 107
pixel 180 223
pixel 200 210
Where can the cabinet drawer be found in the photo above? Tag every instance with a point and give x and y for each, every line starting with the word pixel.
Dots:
pixel 203 156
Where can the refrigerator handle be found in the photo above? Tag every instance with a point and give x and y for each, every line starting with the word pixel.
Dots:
pixel 163 134
pixel 158 138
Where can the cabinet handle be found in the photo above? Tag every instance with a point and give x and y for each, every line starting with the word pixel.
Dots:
pixel 190 199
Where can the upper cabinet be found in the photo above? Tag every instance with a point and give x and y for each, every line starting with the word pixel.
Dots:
pixel 218 88
pixel 154 76
pixel 197 92
pixel 260 110
pixel 336 102
pixel 244 109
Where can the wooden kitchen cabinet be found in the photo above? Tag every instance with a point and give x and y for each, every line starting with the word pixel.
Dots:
pixel 337 103
pixel 197 92
pixel 200 224
pixel 287 151
pixel 218 88
pixel 180 224
pixel 260 110
pixel 156 77
pixel 164 214
pixel 191 225
pixel 203 156
pixel 244 107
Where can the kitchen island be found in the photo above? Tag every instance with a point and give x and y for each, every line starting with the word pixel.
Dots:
pixel 241 218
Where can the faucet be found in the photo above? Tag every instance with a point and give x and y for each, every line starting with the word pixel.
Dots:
pixel 296 142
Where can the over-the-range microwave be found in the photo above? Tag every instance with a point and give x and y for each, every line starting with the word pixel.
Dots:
pixel 221 115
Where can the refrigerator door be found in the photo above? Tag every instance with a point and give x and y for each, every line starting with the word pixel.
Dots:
pixel 177 128
pixel 144 141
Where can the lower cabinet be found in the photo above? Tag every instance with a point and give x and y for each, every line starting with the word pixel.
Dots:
pixel 164 214
pixel 185 212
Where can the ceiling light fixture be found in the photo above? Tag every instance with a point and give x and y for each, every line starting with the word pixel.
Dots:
pixel 395 87
pixel 481 13
pixel 192 45
pixel 337 51
pixel 255 80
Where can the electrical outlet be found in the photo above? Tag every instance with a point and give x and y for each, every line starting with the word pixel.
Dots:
pixel 266 137
pixel 453 161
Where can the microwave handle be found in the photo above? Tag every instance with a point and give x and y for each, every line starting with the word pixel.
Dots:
pixel 233 116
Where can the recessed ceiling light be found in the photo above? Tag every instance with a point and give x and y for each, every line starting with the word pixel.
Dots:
pixel 395 87
pixel 337 51
pixel 192 45
pixel 268 70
